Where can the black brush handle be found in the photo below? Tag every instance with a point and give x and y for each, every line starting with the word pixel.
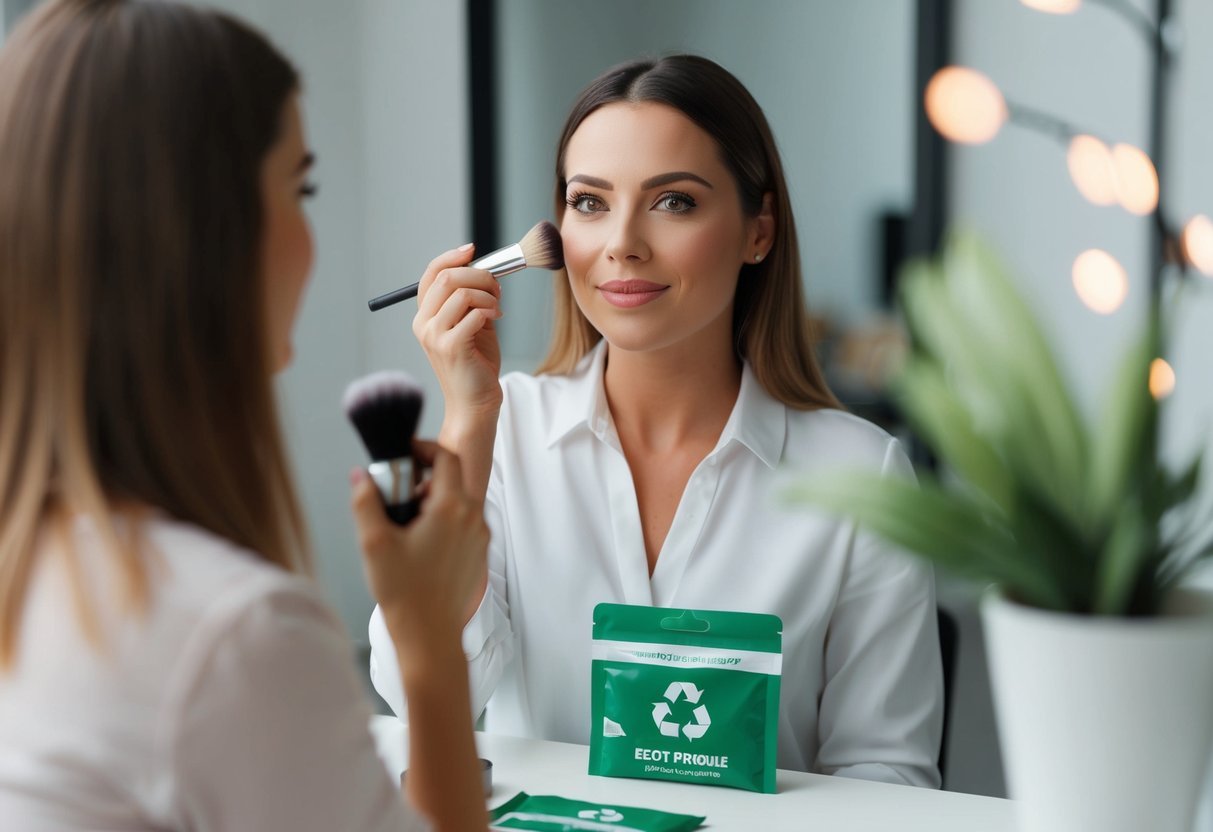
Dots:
pixel 394 297
pixel 404 513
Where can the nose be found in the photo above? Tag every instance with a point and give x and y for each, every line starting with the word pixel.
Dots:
pixel 626 241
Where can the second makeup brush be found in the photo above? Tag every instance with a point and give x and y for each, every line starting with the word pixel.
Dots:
pixel 385 408
pixel 539 249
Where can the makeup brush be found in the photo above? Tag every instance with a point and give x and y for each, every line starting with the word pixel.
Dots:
pixel 539 249
pixel 385 408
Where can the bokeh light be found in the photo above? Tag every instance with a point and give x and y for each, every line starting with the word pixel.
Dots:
pixel 1053 6
pixel 1162 379
pixel 1197 242
pixel 1100 281
pixel 1136 180
pixel 964 105
pixel 1092 169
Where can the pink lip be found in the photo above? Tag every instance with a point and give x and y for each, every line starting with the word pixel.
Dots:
pixel 630 293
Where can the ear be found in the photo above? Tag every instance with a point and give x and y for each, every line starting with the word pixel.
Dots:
pixel 761 236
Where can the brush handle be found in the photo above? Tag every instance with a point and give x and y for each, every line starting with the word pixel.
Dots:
pixel 498 263
pixel 395 297
pixel 403 513
pixel 395 481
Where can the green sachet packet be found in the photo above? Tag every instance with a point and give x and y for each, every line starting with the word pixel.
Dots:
pixel 687 695
pixel 546 813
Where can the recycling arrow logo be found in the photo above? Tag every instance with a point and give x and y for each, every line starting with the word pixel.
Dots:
pixel 662 710
pixel 606 815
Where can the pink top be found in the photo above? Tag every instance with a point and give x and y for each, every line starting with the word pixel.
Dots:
pixel 233 704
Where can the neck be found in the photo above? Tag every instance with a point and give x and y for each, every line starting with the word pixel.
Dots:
pixel 665 398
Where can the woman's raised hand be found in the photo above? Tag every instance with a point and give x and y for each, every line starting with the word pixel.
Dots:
pixel 456 309
pixel 426 574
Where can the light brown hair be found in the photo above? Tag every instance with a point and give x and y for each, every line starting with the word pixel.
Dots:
pixel 771 325
pixel 135 371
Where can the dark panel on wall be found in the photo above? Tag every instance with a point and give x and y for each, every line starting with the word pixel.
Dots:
pixel 482 98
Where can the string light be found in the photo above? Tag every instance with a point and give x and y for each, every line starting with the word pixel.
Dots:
pixel 1053 6
pixel 1162 379
pixel 1101 282
pixel 1136 180
pixel 1197 242
pixel 964 105
pixel 1092 169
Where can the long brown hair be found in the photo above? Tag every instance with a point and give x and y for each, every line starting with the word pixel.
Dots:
pixel 134 365
pixel 771 325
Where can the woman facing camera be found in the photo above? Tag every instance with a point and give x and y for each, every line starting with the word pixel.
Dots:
pixel 166 662
pixel 642 464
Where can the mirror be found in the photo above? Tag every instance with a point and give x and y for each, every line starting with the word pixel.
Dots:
pixel 836 80
pixel 839 84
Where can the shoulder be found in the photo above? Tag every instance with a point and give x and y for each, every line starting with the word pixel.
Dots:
pixel 238 623
pixel 831 438
pixel 523 389
pixel 193 563
pixel 204 587
pixel 527 391
pixel 546 407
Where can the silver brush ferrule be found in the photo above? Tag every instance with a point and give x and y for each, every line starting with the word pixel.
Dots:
pixel 393 478
pixel 503 261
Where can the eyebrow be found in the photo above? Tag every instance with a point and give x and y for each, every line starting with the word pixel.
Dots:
pixel 306 162
pixel 652 182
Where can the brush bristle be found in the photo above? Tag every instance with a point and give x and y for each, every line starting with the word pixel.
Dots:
pixel 385 408
pixel 542 247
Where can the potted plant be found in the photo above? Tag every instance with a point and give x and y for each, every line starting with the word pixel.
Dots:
pixel 1102 665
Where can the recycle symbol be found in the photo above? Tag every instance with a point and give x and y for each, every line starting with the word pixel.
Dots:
pixel 606 815
pixel 700 722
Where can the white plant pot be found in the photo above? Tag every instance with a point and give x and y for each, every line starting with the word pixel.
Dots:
pixel 1105 723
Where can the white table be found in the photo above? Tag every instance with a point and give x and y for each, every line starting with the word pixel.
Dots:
pixel 810 802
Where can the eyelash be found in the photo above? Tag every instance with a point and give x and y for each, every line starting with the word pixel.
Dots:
pixel 575 199
pixel 308 190
pixel 685 198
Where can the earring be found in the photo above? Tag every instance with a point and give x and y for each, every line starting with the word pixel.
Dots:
pixel 758 257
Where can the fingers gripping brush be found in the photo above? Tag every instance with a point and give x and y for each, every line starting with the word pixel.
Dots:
pixel 385 408
pixel 541 248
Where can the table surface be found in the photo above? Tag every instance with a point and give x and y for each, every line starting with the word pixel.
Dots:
pixel 811 802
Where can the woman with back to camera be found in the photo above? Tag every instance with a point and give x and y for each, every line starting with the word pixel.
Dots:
pixel 642 464
pixel 165 661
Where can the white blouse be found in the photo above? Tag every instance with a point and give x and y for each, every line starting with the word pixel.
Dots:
pixel 862 688
pixel 232 704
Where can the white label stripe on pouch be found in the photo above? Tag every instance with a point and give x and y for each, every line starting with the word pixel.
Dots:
pixel 681 655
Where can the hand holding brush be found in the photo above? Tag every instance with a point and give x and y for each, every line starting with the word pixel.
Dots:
pixel 458 303
pixel 539 249
pixel 423 576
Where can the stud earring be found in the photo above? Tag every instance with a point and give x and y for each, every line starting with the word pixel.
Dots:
pixel 758 257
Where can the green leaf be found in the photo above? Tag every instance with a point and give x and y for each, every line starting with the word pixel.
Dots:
pixel 1176 491
pixel 1056 547
pixel 947 426
pixel 1120 567
pixel 945 527
pixel 999 398
pixel 1121 448
pixel 987 299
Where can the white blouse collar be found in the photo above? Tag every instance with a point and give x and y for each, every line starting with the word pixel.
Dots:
pixel 757 421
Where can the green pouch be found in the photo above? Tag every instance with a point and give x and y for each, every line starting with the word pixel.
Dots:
pixel 557 814
pixel 687 695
